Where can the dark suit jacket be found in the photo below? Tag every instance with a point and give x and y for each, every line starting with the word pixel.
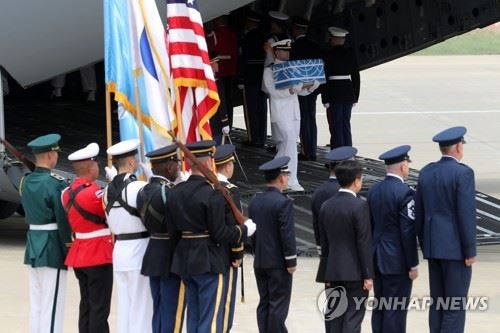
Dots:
pixel 445 210
pixel 274 240
pixel 324 192
pixel 346 240
pixel 393 222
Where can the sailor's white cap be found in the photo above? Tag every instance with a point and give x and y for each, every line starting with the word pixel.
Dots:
pixel 284 44
pixel 278 15
pixel 337 32
pixel 91 151
pixel 124 148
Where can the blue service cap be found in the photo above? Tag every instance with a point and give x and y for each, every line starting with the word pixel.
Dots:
pixel 45 143
pixel 341 154
pixel 450 136
pixel 279 163
pixel 300 22
pixel 163 154
pixel 224 154
pixel 396 155
pixel 202 148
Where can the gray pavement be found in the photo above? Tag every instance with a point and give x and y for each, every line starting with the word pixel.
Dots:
pixel 405 101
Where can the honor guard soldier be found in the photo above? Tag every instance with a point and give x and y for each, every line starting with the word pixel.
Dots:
pixel 285 111
pixel 278 32
pixel 254 99
pixel 445 213
pixel 224 163
pixel 392 212
pixel 275 249
pixel 135 305
pixel 198 212
pixel 48 237
pixel 346 244
pixel 166 287
pixel 91 253
pixel 305 48
pixel 342 88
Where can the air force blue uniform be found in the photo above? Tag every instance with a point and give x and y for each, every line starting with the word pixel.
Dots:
pixel 446 226
pixel 275 251
pixel 394 246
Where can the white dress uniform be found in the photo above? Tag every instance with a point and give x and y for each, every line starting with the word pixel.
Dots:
pixel 135 303
pixel 285 120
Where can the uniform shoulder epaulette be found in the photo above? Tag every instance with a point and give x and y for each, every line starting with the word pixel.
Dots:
pixel 57 176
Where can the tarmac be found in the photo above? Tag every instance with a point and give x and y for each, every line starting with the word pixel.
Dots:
pixel 403 102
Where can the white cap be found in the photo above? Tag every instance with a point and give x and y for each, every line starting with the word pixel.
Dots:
pixel 278 15
pixel 92 150
pixel 124 148
pixel 337 32
pixel 285 44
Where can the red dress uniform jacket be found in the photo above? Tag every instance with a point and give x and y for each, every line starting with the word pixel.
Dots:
pixel 90 247
pixel 223 44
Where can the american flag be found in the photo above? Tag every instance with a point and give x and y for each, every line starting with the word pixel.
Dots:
pixel 196 97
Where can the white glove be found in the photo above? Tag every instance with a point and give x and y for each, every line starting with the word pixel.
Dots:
pixel 318 248
pixel 326 105
pixel 297 87
pixel 110 173
pixel 241 86
pixel 146 170
pixel 225 130
pixel 182 177
pixel 314 86
pixel 251 227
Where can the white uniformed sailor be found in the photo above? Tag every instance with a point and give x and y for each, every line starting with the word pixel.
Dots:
pixel 135 304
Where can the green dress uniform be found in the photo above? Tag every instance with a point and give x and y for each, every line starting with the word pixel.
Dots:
pixel 48 238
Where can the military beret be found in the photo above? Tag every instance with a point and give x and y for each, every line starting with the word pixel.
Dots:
pixel 450 136
pixel 124 148
pixel 202 148
pixel 396 155
pixel 163 154
pixel 337 32
pixel 45 143
pixel 341 154
pixel 279 163
pixel 224 154
pixel 284 44
pixel 87 153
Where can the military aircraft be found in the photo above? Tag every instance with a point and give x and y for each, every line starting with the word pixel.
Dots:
pixel 41 39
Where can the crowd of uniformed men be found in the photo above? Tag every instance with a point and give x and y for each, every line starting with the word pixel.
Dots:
pixel 171 244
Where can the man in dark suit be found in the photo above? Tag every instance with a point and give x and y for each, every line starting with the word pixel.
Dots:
pixel 166 287
pixel 445 212
pixel 198 212
pixel 342 88
pixel 392 212
pixel 346 245
pixel 305 48
pixel 275 250
pixel 224 162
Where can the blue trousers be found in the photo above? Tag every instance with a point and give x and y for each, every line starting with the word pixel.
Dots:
pixel 204 302
pixel 230 283
pixel 308 128
pixel 168 303
pixel 339 121
pixel 448 279
pixel 395 289
pixel 256 113
pixel 275 291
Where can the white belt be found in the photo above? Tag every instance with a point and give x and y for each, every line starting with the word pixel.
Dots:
pixel 92 234
pixel 339 77
pixel 49 226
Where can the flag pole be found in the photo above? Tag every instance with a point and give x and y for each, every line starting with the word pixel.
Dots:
pixel 137 72
pixel 180 126
pixel 109 137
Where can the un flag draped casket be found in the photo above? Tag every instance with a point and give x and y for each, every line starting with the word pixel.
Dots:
pixel 289 73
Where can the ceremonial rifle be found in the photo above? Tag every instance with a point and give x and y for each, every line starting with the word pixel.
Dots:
pixel 239 217
pixel 29 164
